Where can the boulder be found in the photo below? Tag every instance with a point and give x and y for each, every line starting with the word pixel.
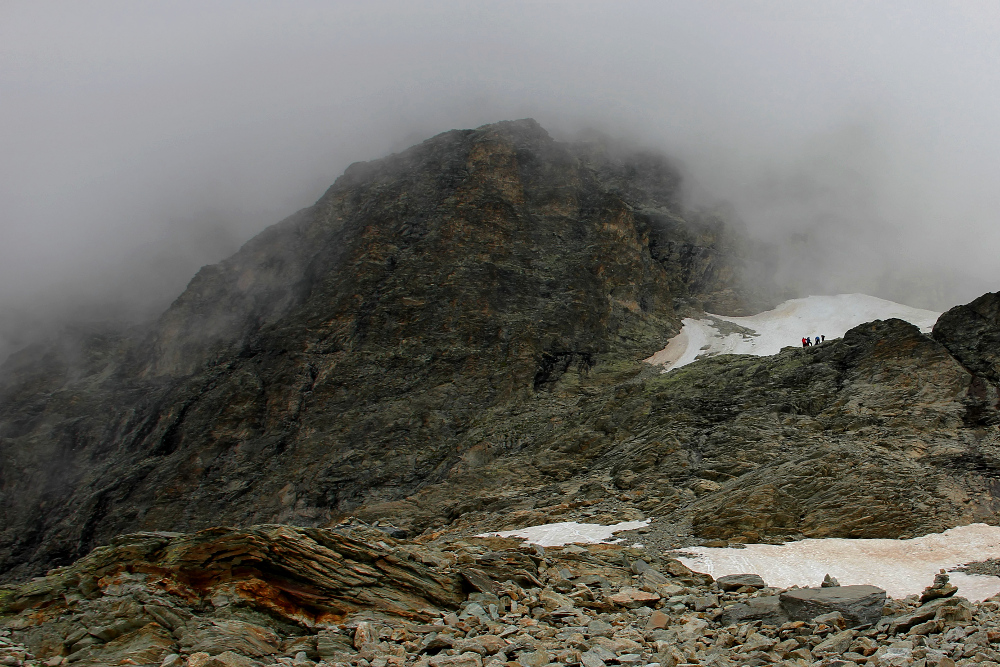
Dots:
pixel 766 608
pixel 734 582
pixel 922 614
pixel 538 658
pixel 894 656
pixel 149 644
pixel 955 610
pixel 657 621
pixel 478 579
pixel 859 605
pixel 835 644
pixel 633 597
pixel 217 636
pixel 483 645
pixel 331 644
pixel 552 600
pixel 757 642
pixel 833 619
pixel 599 628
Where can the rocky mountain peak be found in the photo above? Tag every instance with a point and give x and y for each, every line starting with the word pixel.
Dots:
pixel 362 348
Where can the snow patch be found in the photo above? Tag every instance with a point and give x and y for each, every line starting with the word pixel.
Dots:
pixel 767 333
pixel 558 534
pixel 901 567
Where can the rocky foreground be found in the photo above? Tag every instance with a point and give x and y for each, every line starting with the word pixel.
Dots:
pixel 278 595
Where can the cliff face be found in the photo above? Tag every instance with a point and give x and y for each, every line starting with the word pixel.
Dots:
pixel 357 351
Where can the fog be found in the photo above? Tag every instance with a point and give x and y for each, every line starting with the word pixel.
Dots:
pixel 139 141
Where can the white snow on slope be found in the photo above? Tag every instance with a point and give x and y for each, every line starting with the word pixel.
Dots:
pixel 558 534
pixel 768 332
pixel 901 567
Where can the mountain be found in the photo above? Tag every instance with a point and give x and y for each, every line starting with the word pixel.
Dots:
pixel 426 317
pixel 450 341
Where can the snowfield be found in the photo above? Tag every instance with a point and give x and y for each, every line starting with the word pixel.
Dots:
pixel 567 532
pixel 901 567
pixel 766 333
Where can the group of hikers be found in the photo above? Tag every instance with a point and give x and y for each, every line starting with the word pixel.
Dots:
pixel 806 341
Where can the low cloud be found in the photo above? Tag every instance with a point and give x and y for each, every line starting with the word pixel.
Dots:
pixel 142 141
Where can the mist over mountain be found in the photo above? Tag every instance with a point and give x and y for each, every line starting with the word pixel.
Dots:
pixel 307 308
pixel 141 143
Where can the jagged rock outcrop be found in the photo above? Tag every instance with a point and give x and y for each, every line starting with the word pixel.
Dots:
pixel 971 332
pixel 306 576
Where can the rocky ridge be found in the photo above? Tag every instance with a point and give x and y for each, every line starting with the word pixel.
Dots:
pixel 354 596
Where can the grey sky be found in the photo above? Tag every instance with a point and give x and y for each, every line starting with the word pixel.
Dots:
pixel 139 140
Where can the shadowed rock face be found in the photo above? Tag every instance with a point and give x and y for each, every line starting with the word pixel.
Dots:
pixel 359 350
pixel 972 334
pixel 448 341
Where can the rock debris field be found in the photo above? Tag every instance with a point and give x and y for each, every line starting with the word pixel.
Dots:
pixel 355 597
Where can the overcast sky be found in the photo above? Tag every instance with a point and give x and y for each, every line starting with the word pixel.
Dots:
pixel 140 140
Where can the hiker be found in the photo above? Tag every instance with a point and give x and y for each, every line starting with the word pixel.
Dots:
pixel 805 343
pixel 817 340
pixel 824 338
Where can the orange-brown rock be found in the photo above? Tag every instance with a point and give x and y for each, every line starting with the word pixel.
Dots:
pixel 308 576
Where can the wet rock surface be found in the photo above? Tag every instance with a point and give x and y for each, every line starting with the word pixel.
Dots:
pixel 139 603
